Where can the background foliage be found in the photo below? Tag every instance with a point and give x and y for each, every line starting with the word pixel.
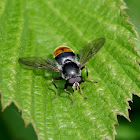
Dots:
pixel 130 130
pixel 33 32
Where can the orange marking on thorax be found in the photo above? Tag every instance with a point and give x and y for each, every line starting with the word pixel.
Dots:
pixel 61 49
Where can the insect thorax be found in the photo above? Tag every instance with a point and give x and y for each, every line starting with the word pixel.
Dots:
pixel 68 64
pixel 70 70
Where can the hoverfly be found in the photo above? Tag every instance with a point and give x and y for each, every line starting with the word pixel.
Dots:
pixel 67 64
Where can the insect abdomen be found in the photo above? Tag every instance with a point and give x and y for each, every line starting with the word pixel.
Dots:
pixel 63 54
pixel 61 49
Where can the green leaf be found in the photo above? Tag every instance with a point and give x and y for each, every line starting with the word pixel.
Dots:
pixel 36 28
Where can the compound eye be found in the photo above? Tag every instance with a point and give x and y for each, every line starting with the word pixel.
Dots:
pixel 72 80
pixel 78 79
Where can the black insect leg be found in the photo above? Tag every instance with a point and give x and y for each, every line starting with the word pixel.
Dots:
pixel 69 93
pixel 81 89
pixel 58 78
pixel 87 74
pixel 78 57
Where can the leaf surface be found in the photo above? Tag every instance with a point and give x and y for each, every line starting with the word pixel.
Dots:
pixel 36 28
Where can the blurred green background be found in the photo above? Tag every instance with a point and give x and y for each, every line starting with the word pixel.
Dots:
pixel 12 126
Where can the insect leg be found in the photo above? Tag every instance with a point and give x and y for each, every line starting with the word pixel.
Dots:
pixel 87 74
pixel 81 89
pixel 78 57
pixel 58 78
pixel 69 93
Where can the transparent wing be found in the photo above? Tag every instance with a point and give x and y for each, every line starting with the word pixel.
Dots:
pixel 40 63
pixel 89 50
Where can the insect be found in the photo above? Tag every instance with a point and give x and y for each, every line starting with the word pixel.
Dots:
pixel 68 64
